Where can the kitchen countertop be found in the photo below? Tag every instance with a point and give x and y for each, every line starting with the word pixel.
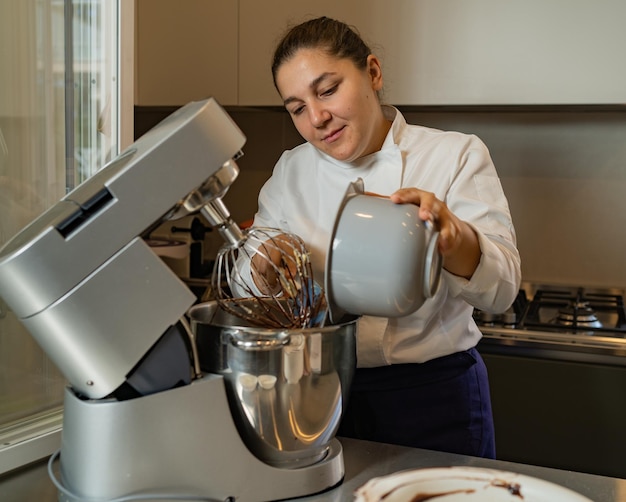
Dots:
pixel 363 461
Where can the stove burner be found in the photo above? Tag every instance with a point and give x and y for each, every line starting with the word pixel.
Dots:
pixel 578 314
pixel 509 319
pixel 577 310
pixel 567 310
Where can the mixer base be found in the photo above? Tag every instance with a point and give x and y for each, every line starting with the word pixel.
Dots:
pixel 181 442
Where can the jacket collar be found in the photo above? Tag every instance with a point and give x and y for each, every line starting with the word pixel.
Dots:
pixel 382 170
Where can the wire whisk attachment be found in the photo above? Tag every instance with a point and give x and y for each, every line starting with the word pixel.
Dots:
pixel 266 265
pixel 274 269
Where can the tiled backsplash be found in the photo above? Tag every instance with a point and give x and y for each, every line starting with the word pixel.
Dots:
pixel 563 170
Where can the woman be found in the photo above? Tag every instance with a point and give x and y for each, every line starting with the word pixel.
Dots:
pixel 419 381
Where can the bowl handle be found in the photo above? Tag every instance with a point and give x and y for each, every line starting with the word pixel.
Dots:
pixel 432 267
pixel 258 343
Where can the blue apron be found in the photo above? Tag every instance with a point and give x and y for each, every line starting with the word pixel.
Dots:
pixel 442 405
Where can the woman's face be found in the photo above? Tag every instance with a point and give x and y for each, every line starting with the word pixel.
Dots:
pixel 334 104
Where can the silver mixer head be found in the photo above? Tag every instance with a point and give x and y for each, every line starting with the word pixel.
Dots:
pixel 82 280
pixel 207 199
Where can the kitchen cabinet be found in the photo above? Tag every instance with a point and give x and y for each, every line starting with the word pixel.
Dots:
pixel 458 52
pixel 185 51
pixel 454 52
pixel 554 410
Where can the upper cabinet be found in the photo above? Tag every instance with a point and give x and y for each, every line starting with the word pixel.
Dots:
pixel 186 51
pixel 459 52
pixel 445 52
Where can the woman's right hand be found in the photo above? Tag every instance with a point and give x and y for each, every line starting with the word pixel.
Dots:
pixel 458 242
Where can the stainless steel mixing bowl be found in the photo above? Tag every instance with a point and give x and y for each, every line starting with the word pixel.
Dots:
pixel 287 389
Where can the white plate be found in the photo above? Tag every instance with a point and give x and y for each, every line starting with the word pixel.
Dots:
pixel 463 484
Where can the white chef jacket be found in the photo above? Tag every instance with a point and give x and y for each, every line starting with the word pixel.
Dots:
pixel 307 186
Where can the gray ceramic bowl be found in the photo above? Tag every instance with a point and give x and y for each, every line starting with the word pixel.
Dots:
pixel 383 260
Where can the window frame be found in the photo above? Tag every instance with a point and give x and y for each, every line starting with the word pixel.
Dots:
pixel 38 436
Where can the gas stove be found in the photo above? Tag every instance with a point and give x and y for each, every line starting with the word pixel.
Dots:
pixel 562 309
pixel 559 353
pixel 575 318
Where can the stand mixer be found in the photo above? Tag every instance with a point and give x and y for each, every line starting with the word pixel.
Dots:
pixel 141 420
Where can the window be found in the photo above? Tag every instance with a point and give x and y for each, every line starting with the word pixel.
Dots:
pixel 60 121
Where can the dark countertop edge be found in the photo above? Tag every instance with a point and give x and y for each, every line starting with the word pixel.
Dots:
pixel 551 350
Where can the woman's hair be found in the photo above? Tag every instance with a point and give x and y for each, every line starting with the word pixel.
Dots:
pixel 336 38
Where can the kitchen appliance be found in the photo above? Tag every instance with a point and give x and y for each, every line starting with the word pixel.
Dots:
pixel 277 378
pixel 174 253
pixel 286 296
pixel 557 369
pixel 194 235
pixel 581 323
pixel 140 419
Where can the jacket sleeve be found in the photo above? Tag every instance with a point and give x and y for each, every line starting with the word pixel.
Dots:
pixel 476 196
pixel 270 210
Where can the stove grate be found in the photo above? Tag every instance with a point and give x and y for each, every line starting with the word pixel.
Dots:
pixel 542 311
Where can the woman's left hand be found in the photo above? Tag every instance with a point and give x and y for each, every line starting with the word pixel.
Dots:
pixel 273 260
pixel 458 243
